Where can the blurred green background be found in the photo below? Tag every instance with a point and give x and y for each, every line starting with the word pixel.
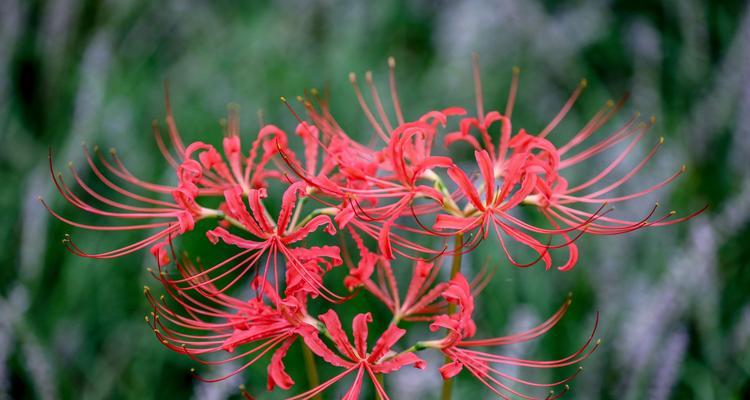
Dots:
pixel 674 302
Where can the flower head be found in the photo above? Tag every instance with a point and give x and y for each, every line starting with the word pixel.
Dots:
pixel 355 358
pixel 458 347
pixel 398 197
pixel 202 321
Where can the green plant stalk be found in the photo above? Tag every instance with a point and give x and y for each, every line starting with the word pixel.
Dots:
pixel 455 268
pixel 311 369
pixel 381 380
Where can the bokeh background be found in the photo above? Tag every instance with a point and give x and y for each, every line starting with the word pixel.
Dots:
pixel 674 302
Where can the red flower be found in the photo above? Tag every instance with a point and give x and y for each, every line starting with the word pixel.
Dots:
pixel 213 172
pixel 209 175
pixel 387 182
pixel 203 320
pixel 528 169
pixel 384 194
pixel 492 212
pixel 460 354
pixel 422 299
pixel 273 239
pixel 172 217
pixel 355 358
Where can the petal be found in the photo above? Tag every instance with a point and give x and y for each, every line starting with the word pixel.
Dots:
pixel 444 322
pixel 309 134
pixel 318 253
pixel 271 137
pixel 310 227
pixel 485 166
pixel 464 184
pixel 277 375
pixel 312 340
pixel 450 370
pixel 220 233
pixel 359 330
pixel 453 137
pixel 337 334
pixel 161 255
pixel 419 275
pixel 384 240
pixel 385 342
pixel 432 162
pixel 235 208
pixel 452 222
pixel 254 197
pixel 398 362
pixel 288 203
pixel 363 272
pixel 232 150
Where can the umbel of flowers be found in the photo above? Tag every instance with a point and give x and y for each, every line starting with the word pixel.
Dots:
pixel 397 201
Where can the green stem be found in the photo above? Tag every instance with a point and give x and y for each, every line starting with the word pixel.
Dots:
pixel 297 212
pixel 213 213
pixel 455 268
pixel 312 371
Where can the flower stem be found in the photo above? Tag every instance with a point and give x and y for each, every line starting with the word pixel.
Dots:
pixel 311 369
pixel 297 212
pixel 455 268
pixel 381 380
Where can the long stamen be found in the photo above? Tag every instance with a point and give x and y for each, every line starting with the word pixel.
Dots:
pixel 365 109
pixel 378 103
pixel 174 134
pixel 394 92
pixel 477 87
pixel 564 111
pixel 512 92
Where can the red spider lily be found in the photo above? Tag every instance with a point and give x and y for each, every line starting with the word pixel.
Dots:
pixel 172 217
pixel 273 239
pixel 529 171
pixel 204 321
pixel 374 187
pixel 355 358
pixel 209 175
pixel 393 191
pixel 493 212
pixel 460 354
pixel 212 172
pixel 421 301
pixel 382 190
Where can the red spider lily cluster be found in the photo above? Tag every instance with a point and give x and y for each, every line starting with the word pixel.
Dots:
pixel 393 204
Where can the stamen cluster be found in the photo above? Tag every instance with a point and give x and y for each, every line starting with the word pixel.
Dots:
pixel 395 207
